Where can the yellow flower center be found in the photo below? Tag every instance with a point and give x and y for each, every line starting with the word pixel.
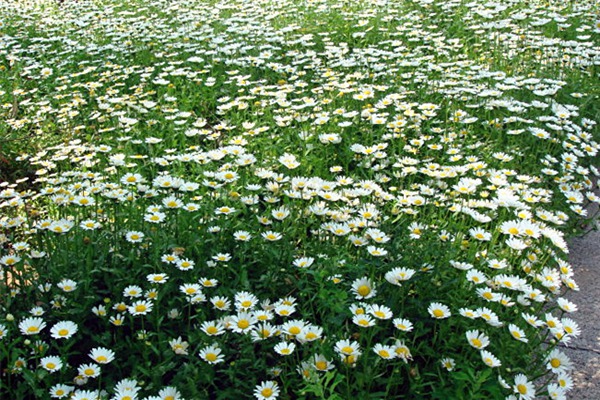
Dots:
pixel 101 359
pixel 438 313
pixel 294 330
pixel 266 392
pixel 401 351
pixel 211 357
pixel 243 324
pixel 384 353
pixel 364 290
pixel 310 336
pixel 212 330
pixel 140 308
pixel 347 350
pixel 246 303
pixel 88 372
pixel 559 335
pixel 476 342
pixel 32 329
pixel 555 362
pixel 321 365
pixel 50 365
pixel 522 389
pixel 63 332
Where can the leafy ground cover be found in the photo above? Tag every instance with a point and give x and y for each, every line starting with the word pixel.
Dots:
pixel 293 199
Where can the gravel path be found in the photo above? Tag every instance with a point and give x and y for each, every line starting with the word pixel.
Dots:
pixel 585 350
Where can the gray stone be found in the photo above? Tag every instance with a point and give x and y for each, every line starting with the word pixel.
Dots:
pixel 584 351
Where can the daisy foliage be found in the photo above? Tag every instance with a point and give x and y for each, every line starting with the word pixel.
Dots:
pixel 277 199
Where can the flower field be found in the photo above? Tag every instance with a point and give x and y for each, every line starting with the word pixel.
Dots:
pixel 309 199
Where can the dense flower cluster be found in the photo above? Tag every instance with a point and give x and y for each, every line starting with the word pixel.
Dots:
pixel 273 198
